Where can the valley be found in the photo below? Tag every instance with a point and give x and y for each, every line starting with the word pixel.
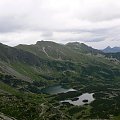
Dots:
pixel 27 73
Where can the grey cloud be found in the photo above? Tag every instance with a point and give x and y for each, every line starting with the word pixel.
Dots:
pixel 86 39
pixel 47 34
pixel 10 24
pixel 64 20
pixel 4 41
pixel 95 39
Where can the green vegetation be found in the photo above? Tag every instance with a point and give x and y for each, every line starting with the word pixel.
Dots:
pixel 82 48
pixel 26 69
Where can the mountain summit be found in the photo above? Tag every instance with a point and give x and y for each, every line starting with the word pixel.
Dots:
pixel 83 48
pixel 111 50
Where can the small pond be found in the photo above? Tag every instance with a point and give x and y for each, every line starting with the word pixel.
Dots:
pixel 56 89
pixel 85 98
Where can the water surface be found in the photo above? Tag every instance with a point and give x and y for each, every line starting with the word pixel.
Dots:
pixel 56 90
pixel 85 96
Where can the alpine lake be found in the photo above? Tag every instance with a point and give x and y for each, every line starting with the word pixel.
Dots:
pixel 84 98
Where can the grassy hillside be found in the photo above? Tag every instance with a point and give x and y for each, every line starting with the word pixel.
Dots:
pixel 30 65
pixel 113 55
pixel 26 69
pixel 82 48
pixel 55 51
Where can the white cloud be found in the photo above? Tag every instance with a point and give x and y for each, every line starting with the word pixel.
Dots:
pixel 90 21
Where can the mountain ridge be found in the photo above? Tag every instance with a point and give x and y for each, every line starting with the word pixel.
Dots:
pixel 33 59
pixel 83 48
pixel 111 50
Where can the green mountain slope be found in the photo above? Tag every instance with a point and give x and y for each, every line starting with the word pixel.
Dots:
pixel 47 49
pixel 113 55
pixel 54 51
pixel 82 48
pixel 77 59
pixel 31 64
pixel 26 69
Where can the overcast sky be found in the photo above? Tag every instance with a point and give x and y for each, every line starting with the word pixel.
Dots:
pixel 94 22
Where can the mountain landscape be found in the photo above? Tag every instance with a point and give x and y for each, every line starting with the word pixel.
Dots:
pixel 59 60
pixel 73 69
pixel 111 50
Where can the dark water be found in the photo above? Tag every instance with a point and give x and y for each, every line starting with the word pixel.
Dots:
pixel 56 90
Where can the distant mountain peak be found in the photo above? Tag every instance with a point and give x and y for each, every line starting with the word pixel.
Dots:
pixel 108 47
pixel 111 50
pixel 42 41
pixel 75 43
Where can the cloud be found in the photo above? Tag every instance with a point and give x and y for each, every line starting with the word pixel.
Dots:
pixel 47 34
pixel 88 21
